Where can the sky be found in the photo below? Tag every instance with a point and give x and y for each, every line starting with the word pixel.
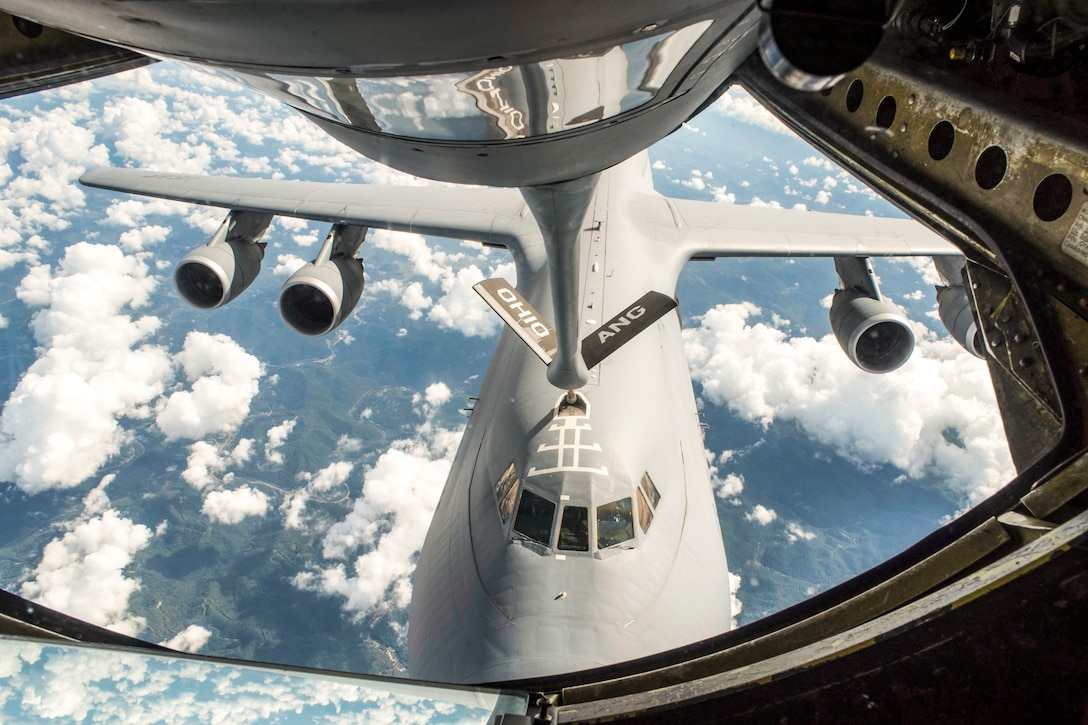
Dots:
pixel 103 368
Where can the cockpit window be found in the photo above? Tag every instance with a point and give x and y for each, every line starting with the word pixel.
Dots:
pixel 647 497
pixel 574 529
pixel 645 513
pixel 534 520
pixel 506 491
pixel 650 490
pixel 614 523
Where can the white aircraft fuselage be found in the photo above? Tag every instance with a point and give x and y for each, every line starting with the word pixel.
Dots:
pixel 509 584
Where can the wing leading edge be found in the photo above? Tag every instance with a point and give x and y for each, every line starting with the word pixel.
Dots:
pixel 702 229
pixel 490 216
pixel 873 332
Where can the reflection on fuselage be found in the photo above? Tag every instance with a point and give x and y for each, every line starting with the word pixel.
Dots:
pixel 505 102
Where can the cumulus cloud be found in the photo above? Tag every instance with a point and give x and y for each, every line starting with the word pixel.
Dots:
pixel 141 130
pixel 206 469
pixel 378 541
pixel 287 264
pixel 728 488
pixel 414 299
pixel 223 379
pixel 346 444
pixel 761 515
pixel 70 685
pixel 738 105
pixel 206 460
pixel 243 451
pixel 133 213
pixel 820 162
pixel 307 239
pixel 276 437
pixel 455 305
pixel 935 416
pixel 63 420
pixel 133 240
pixel 81 573
pixel 437 394
pixel 290 223
pixel 191 639
pixel 96 501
pixel 924 267
pixel 794 532
pixel 172 119
pixel 203 462
pixel 293 509
pixel 722 196
pixel 47 150
pixel 734 599
pixel 329 477
pixel 461 309
pixel 232 506
pixel 696 182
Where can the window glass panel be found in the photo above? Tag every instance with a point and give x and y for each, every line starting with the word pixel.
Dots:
pixel 506 492
pixel 645 515
pixel 614 523
pixel 534 518
pixel 650 490
pixel 505 102
pixel 110 678
pixel 574 529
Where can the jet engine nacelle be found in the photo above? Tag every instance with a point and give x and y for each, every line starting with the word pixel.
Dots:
pixel 873 333
pixel 954 309
pixel 215 273
pixel 317 298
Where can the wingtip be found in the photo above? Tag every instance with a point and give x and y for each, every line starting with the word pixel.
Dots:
pixel 91 176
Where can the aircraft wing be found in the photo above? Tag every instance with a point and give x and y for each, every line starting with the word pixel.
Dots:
pixel 489 216
pixel 711 229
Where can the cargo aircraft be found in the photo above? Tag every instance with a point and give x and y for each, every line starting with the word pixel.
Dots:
pixel 578 525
